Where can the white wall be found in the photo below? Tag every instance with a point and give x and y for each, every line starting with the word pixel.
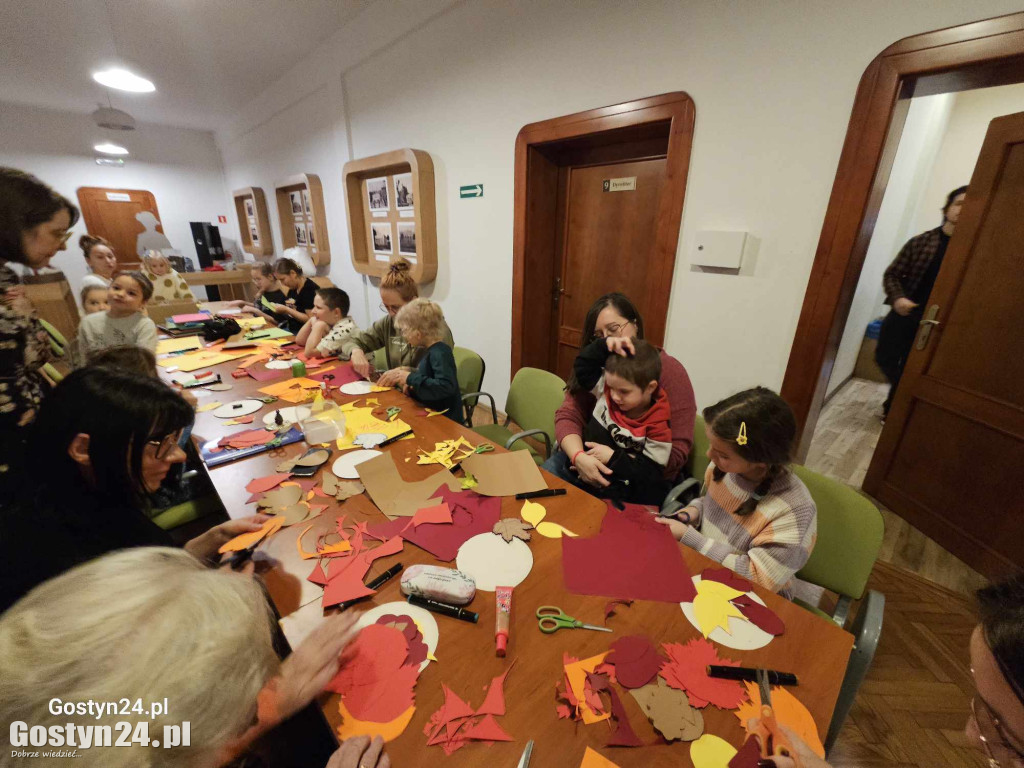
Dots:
pixel 773 84
pixel 919 144
pixel 181 167
pixel 968 124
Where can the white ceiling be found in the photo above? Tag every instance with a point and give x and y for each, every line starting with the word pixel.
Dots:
pixel 207 58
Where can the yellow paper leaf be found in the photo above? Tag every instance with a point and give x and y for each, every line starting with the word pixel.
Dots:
pixel 532 512
pixel 710 751
pixel 554 531
pixel 711 606
pixel 209 406
pixel 372 401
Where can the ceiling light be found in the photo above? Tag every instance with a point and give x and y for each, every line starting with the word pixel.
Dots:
pixel 123 80
pixel 110 149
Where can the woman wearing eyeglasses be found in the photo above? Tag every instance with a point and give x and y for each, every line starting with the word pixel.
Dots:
pixel 397 288
pixel 102 443
pixel 35 224
pixel 615 319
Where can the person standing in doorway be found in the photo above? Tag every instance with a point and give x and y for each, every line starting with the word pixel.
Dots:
pixel 908 281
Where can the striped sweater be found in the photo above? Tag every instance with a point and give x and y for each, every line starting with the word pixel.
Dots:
pixel 769 545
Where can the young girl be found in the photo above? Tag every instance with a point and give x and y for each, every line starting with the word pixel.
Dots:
pixel 124 322
pixel 329 325
pixel 168 285
pixel 100 258
pixel 756 517
pixel 265 282
pixel 434 382
pixel 294 310
pixel 94 299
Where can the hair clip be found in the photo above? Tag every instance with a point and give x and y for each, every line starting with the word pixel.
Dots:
pixel 741 438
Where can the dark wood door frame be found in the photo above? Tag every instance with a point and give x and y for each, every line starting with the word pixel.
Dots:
pixel 533 234
pixel 979 54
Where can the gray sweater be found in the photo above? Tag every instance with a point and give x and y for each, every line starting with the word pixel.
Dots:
pixel 99 331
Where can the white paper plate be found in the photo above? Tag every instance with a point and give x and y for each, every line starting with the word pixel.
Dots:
pixel 424 620
pixel 345 465
pixel 743 635
pixel 493 562
pixel 278 365
pixel 356 388
pixel 229 411
pixel 291 415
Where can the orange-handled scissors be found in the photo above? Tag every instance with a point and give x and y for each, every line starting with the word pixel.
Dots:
pixel 773 740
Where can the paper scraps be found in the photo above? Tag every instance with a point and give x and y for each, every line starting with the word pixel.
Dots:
pixel 504 474
pixel 246 439
pixel 669 711
pixel 468 482
pixel 533 513
pixel 346 570
pixel 492 562
pixel 447 453
pixel 760 616
pixel 686 670
pixel 636 660
pixel 296 391
pixel 632 558
pixel 360 421
pixel 285 496
pixel 612 606
pixel 339 489
pixel 440 513
pixel 749 754
pixel 580 706
pixel 512 528
pixel 594 759
pixel 264 484
pixel 246 540
pixel 789 711
pixel 396 497
pixel 710 751
pixel 623 735
pixel 399 614
pixel 728 616
pixel 456 723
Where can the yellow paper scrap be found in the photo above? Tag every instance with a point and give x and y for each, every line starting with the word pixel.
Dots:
pixel 594 759
pixel 467 482
pixel 710 751
pixel 711 606
pixel 209 406
pixel 372 401
pixel 293 390
pixel 164 346
pixel 432 412
pixel 248 323
pixel 534 513
pixel 202 358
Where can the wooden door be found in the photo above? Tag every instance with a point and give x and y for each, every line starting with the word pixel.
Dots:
pixel 110 213
pixel 951 457
pixel 608 244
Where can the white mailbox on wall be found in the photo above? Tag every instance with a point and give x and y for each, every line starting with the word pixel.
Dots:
pixel 719 249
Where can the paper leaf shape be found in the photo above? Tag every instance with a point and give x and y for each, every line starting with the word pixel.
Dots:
pixel 346 489
pixel 762 617
pixel 294 514
pixel 749 754
pixel 512 528
pixel 494 701
pixel 712 608
pixel 624 735
pixel 687 670
pixel 636 660
pixel 532 512
pixel 710 751
pixel 554 531
pixel 285 496
pixel 728 577
pixel 594 759
pixel 789 711
pixel 669 711
pixel 264 484
pixel 246 540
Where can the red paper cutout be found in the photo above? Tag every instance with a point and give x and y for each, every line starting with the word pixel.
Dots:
pixel 633 557
pixel 318 576
pixel 494 701
pixel 487 730
pixel 636 661
pixel 342 374
pixel 436 514
pixel 611 606
pixel 760 616
pixel 455 724
pixel 748 755
pixel 728 577
pixel 623 735
pixel 686 670
pixel 264 484
pixel 345 574
pixel 374 683
pixel 247 438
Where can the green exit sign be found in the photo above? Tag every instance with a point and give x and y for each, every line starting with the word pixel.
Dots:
pixel 473 190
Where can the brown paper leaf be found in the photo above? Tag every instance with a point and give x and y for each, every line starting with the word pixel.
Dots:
pixel 296 513
pixel 328 483
pixel 282 496
pixel 347 489
pixel 314 458
pixel 512 528
pixel 287 465
pixel 669 711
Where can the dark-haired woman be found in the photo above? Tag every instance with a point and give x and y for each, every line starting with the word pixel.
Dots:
pixel 755 517
pixel 102 443
pixel 100 258
pixel 294 312
pixel 615 319
pixel 35 224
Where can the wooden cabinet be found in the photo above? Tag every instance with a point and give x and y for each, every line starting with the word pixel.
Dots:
pixel 300 209
pixel 254 221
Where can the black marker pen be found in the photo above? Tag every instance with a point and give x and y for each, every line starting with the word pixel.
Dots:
pixel 455 611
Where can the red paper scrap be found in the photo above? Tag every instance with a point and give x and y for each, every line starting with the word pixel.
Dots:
pixel 345 574
pixel 336 376
pixel 264 484
pixel 318 576
pixel 260 372
pixel 636 660
pixel 612 605
pixel 760 616
pixel 623 735
pixel 417 649
pixel 632 558
pixel 247 438
pixel 456 724
pixel 374 683
pixel 436 514
pixel 486 730
pixel 748 755
pixel 728 577
pixel 686 670
pixel 494 701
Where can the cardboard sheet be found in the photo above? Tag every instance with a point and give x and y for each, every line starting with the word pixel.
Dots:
pixel 669 711
pixel 632 558
pixel 393 495
pixel 504 474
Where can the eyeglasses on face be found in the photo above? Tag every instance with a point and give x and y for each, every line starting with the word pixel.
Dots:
pixel 993 737
pixel 610 330
pixel 165 445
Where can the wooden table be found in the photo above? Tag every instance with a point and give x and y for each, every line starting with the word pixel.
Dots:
pixel 815 649
pixel 232 283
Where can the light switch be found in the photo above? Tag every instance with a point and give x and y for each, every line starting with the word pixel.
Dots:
pixel 719 249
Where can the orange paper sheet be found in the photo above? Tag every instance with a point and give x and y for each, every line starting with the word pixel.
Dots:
pixel 293 390
pixel 576 674
pixel 593 759
pixel 789 711
pixel 204 358
pixel 388 731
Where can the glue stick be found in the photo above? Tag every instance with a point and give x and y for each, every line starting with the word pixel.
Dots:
pixel 502 613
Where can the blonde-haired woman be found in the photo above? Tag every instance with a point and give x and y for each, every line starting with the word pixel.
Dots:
pixel 151 624
pixel 397 288
pixel 435 381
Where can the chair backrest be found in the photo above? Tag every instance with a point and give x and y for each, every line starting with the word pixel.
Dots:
pixel 533 399
pixel 469 367
pixel 697 463
pixel 850 530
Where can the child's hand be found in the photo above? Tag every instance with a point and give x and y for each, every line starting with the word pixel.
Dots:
pixel 602 453
pixel 396 377
pixel 280 309
pixel 677 527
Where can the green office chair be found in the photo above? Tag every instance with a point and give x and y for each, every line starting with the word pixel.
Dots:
pixel 533 398
pixel 850 530
pixel 186 512
pixel 696 467
pixel 470 369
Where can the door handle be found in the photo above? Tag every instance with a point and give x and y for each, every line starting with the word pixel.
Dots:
pixel 926 326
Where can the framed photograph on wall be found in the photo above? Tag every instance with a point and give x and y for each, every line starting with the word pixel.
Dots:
pixel 403 192
pixel 254 235
pixel 296 201
pixel 380 233
pixel 377 194
pixel 250 209
pixel 407 239
pixel 300 234
pixel 310 234
pixel 305 202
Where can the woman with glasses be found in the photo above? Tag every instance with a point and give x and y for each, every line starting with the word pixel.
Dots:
pixel 614 319
pixel 101 445
pixel 397 288
pixel 35 224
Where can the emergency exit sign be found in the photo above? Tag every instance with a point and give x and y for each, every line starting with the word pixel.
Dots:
pixel 472 190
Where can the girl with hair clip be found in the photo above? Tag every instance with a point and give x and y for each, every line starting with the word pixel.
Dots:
pixel 267 287
pixel 754 516
pixel 124 322
pixel 103 442
pixel 100 259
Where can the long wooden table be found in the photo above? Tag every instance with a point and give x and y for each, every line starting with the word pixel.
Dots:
pixel 814 649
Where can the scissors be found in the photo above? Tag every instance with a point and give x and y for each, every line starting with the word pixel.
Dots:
pixel 393 411
pixel 551 619
pixel 773 740
pixel 483 448
pixel 524 761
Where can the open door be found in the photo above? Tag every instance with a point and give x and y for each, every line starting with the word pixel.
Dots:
pixel 951 457
pixel 113 214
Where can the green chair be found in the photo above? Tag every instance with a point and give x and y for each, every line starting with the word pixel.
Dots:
pixel 850 530
pixel 379 359
pixel 51 372
pixel 533 398
pixel 186 512
pixel 696 468
pixel 470 369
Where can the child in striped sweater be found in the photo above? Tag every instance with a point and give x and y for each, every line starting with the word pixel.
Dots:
pixel 754 515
